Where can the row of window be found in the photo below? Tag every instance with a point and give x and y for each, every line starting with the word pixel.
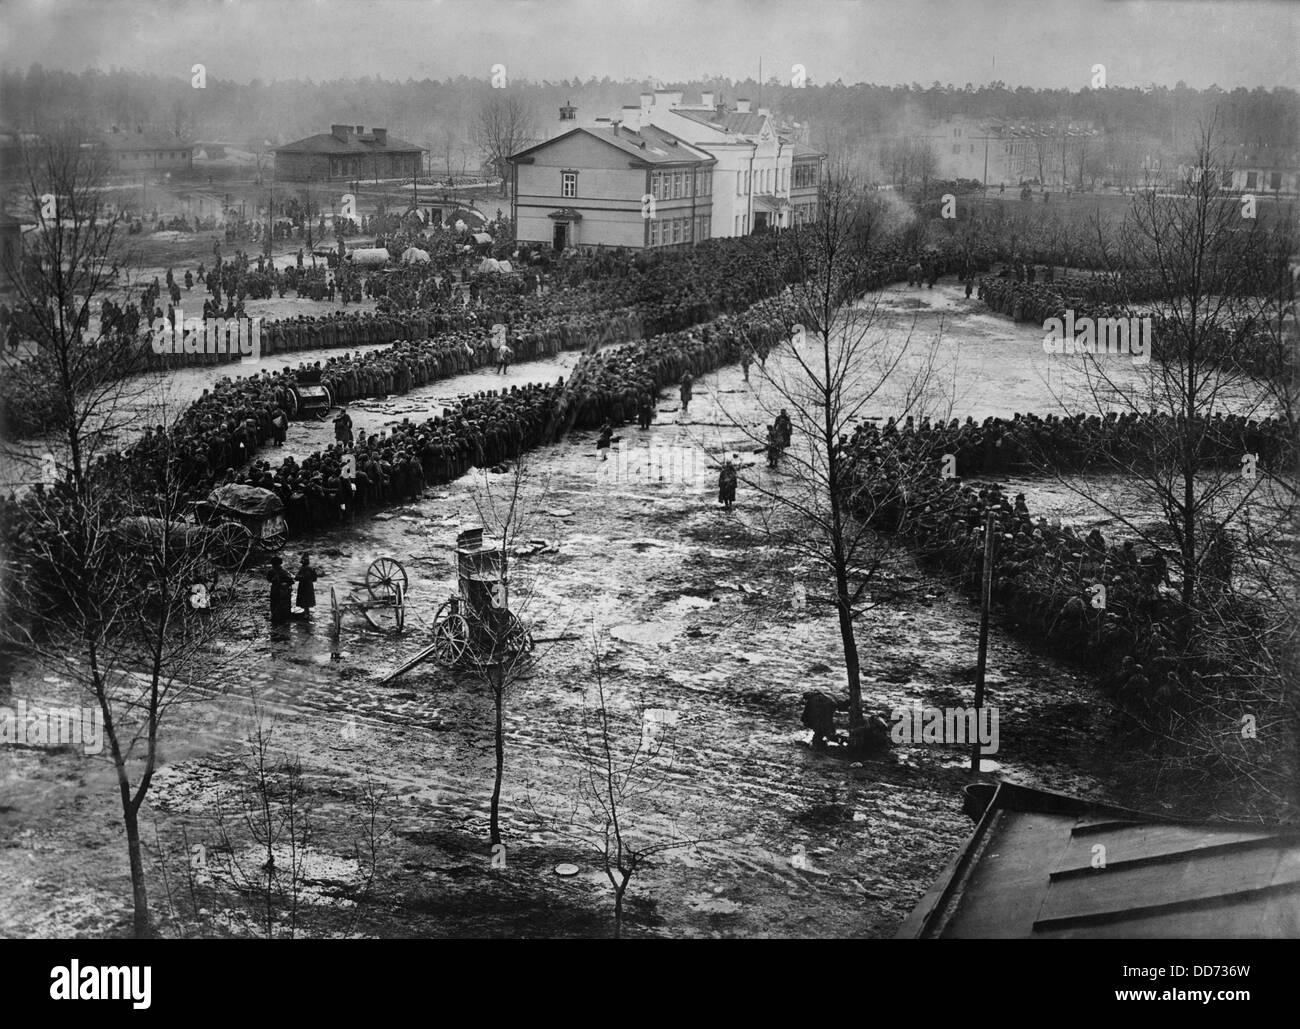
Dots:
pixel 366 166
pixel 665 232
pixel 161 155
pixel 764 180
pixel 675 185
pixel 1254 180
pixel 805 175
pixel 683 184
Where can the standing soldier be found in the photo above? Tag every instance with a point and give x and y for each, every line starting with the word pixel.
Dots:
pixel 773 446
pixel 306 589
pixel 687 383
pixel 744 361
pixel 504 354
pixel 343 426
pixel 281 581
pixel 645 410
pixel 727 484
pixel 784 430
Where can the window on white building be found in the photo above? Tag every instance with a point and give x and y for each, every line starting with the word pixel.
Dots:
pixel 568 184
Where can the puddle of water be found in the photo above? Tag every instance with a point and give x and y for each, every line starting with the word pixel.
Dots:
pixel 646 633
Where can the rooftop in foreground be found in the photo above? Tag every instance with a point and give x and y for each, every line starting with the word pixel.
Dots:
pixel 1046 866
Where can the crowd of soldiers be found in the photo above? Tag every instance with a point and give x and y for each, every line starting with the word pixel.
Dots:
pixel 1044 572
pixel 1030 443
pixel 1094 601
pixel 1262 351
pixel 225 426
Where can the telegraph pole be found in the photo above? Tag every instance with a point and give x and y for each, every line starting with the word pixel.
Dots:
pixel 986 599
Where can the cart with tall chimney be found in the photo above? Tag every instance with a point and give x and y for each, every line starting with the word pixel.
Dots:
pixel 475 627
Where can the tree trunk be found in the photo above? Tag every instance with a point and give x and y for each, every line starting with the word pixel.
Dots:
pixel 848 638
pixel 619 891
pixel 498 692
pixel 140 895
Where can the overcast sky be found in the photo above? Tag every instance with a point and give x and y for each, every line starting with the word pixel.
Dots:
pixel 1022 42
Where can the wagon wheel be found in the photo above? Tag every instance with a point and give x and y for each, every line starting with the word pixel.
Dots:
pixel 396 606
pixel 451 639
pixel 293 403
pixel 274 542
pixel 518 640
pixel 383 577
pixel 231 543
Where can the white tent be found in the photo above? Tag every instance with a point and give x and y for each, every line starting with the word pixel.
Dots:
pixel 482 237
pixel 488 264
pixel 414 255
pixel 369 257
pixel 506 267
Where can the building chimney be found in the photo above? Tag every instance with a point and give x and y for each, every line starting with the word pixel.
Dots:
pixel 381 137
pixel 631 117
pixel 340 132
pixel 706 99
pixel 764 111
pixel 742 105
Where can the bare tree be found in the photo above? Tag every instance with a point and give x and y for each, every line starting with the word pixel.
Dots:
pixel 503 125
pixel 1222 368
pixel 623 765
pixel 841 361
pixel 503 646
pixel 105 582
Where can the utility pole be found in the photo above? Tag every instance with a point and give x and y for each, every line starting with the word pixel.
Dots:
pixel 270 217
pixel 986 599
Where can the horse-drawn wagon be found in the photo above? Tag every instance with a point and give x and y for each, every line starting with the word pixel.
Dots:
pixel 309 397
pixel 244 516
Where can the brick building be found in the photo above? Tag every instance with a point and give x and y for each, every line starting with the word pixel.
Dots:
pixel 144 150
pixel 347 152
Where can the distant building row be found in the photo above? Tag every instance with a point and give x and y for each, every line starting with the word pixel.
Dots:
pixel 663 174
pixel 994 152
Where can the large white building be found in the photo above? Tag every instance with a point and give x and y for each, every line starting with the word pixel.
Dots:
pixel 763 176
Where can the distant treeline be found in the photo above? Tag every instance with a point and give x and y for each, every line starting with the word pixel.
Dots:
pixel 439 114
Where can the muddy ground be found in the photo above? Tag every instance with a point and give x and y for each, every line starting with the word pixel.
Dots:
pixel 700 619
